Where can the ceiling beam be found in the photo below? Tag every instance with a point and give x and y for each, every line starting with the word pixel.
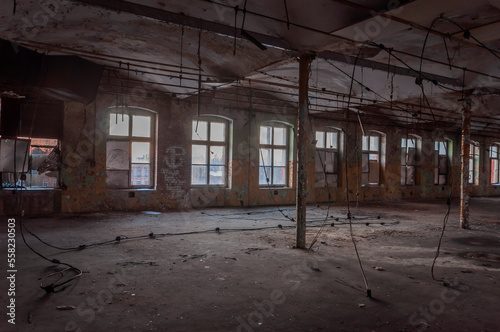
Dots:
pixel 230 31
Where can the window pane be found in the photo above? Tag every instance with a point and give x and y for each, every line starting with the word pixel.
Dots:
pixel 198 174
pixel 118 124
pixel 43 142
pixel 279 175
pixel 374 143
pixel 7 161
pixel 217 175
pixel 217 132
pixel 141 126
pixel 117 155
pixel 331 163
pixel 265 157
pixel 279 136
pixel 365 143
pixel 471 171
pixel 199 155
pixel 264 175
pixel 200 130
pixel 494 151
pixel 140 175
pixel 279 156
pixel 442 148
pixel 403 143
pixel 411 142
pixel 265 135
pixel 374 156
pixel 320 139
pixel 494 171
pixel 217 155
pixel 140 152
pixel 117 179
pixel 331 140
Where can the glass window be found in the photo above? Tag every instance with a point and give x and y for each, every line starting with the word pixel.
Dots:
pixel 371 161
pixel 474 164
pixel 327 158
pixel 209 152
pixel 494 164
pixel 273 155
pixel 409 157
pixel 441 162
pixel 38 158
pixel 130 149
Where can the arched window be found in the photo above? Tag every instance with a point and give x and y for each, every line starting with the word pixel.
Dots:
pixel 372 158
pixel 209 154
pixel 409 157
pixel 130 149
pixel 274 139
pixel 328 145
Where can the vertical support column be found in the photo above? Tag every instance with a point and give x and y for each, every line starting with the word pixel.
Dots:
pixel 464 170
pixel 302 146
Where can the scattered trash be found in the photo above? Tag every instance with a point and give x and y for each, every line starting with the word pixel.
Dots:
pixel 411 277
pixel 361 305
pixel 233 258
pixel 467 271
pixel 315 269
pixel 66 307
pixel 30 317
pixel 378 268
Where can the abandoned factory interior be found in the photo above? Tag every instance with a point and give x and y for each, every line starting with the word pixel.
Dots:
pixel 250 165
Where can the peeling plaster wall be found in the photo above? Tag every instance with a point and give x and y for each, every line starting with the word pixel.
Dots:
pixel 83 176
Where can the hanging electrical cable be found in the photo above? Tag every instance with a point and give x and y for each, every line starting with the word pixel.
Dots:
pixel 349 215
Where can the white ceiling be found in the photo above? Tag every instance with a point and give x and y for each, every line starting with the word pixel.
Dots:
pixel 156 43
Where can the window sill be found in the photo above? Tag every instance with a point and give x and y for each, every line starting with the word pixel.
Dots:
pixel 31 189
pixel 372 186
pixel 132 189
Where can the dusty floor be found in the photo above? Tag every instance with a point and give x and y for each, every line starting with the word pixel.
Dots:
pixel 255 280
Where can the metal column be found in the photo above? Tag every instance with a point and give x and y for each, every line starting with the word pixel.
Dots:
pixel 302 146
pixel 464 175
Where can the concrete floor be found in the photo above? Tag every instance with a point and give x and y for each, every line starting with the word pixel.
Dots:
pixel 255 280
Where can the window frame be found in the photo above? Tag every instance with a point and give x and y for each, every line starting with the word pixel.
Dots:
pixel 474 160
pixel 437 159
pixel 494 150
pixel 321 155
pixel 286 147
pixel 365 179
pixel 208 143
pixel 406 162
pixel 130 138
pixel 27 169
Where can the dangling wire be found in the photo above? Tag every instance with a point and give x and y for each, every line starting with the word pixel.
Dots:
pixel 236 9
pixel 349 215
pixel 199 80
pixel 287 17
pixel 182 55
